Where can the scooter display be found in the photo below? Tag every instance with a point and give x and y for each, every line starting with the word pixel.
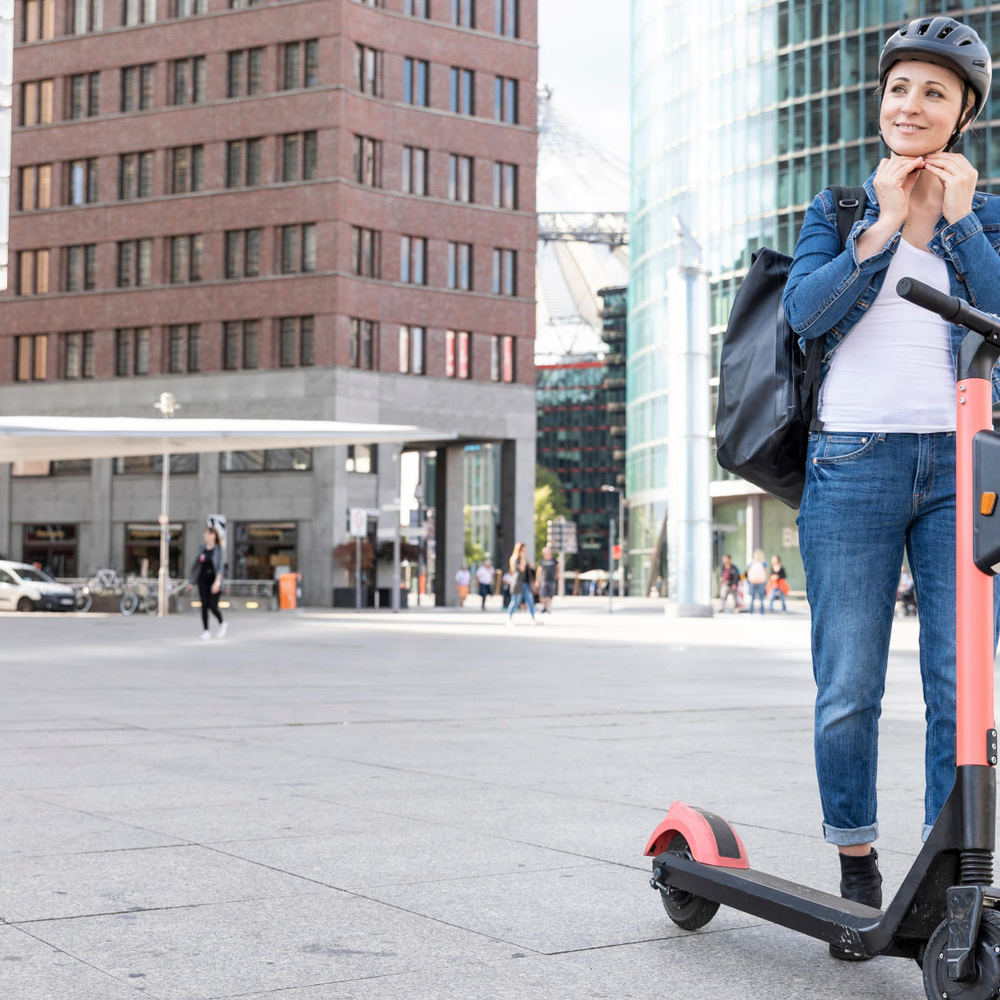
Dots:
pixel 945 914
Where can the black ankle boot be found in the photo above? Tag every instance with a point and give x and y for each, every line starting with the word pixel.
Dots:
pixel 860 881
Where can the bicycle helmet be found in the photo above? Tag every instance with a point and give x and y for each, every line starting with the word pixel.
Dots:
pixel 947 42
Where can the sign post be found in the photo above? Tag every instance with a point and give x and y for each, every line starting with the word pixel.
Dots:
pixel 561 536
pixel 358 520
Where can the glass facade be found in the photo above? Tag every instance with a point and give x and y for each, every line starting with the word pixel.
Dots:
pixel 741 112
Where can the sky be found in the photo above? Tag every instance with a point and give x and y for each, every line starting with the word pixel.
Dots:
pixel 584 57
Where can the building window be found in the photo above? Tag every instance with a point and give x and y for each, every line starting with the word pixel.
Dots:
pixel 366 252
pixel 463 91
pixel 460 178
pixel 186 169
pixel 32 272
pixel 295 341
pixel 251 343
pixel 81 182
pixel 507 17
pixel 84 95
pixel 240 344
pixel 138 12
pixel 504 272
pixel 240 4
pixel 463 12
pixel 368 70
pixel 36 102
pixel 132 351
pixel 182 348
pixel 135 263
pixel 80 267
pixel 417 8
pixel 460 266
pixel 505 185
pixel 135 175
pixel 152 465
pixel 502 359
pixel 298 248
pixel 136 83
pixel 78 354
pixel 39 20
pixel 245 73
pixel 456 363
pixel 36 187
pixel 505 100
pixel 413 260
pixel 364 344
pixel 367 164
pixel 267 460
pixel 185 258
pixel 416 82
pixel 31 357
pixel 298 156
pixel 188 8
pixel 242 253
pixel 415 164
pixel 362 459
pixel 243 162
pixel 411 350
pixel 85 16
pixel 300 64
pixel 187 78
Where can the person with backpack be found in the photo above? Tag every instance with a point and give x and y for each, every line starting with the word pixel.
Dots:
pixel 880 469
pixel 757 578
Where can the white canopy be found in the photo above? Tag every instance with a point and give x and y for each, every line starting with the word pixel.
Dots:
pixel 48 438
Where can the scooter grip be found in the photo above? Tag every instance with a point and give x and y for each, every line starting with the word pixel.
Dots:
pixel 946 306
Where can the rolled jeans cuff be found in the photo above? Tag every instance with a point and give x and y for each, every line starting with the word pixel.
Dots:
pixel 850 838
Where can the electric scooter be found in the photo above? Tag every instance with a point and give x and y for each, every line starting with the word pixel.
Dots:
pixel 946 914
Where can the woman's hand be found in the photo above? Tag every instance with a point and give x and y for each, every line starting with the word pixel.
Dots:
pixel 216 586
pixel 959 178
pixel 893 182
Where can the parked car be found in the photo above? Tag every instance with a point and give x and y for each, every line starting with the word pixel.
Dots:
pixel 26 588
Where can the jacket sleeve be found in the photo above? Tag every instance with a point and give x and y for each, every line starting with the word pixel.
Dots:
pixel 219 561
pixel 825 280
pixel 194 569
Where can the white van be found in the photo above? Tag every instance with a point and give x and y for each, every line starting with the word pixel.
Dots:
pixel 25 588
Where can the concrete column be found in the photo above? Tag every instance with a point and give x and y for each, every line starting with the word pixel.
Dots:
pixel 449 530
pixel 99 551
pixel 316 561
pixel 517 498
pixel 5 502
pixel 210 502
pixel 755 530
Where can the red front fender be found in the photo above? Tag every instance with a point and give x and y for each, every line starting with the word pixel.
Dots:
pixel 711 839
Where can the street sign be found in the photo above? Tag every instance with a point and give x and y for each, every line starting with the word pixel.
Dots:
pixel 562 535
pixel 358 520
pixel 616 552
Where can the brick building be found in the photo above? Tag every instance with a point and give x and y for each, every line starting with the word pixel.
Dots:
pixel 313 208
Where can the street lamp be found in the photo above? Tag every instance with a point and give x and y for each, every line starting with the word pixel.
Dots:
pixel 607 488
pixel 168 406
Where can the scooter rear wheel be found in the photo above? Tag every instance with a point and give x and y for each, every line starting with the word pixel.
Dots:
pixel 984 984
pixel 685 909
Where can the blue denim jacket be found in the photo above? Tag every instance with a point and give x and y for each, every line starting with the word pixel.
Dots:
pixel 828 291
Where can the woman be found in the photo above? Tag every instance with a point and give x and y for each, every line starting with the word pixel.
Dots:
pixel 777 584
pixel 881 460
pixel 522 579
pixel 207 573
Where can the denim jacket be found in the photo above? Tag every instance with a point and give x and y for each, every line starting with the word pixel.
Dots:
pixel 828 291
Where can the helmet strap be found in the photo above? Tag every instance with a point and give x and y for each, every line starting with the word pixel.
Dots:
pixel 968 113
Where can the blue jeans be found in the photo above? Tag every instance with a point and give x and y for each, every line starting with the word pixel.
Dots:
pixel 757 593
pixel 867 496
pixel 780 594
pixel 525 596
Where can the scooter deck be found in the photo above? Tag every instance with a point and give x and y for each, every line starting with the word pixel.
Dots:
pixel 809 911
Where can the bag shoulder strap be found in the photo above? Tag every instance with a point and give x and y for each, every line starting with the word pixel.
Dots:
pixel 850 203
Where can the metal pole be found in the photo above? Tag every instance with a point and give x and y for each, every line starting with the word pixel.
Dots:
pixel 611 563
pixel 163 577
pixel 357 573
pixel 621 538
pixel 395 564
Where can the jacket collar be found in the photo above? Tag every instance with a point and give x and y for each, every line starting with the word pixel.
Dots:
pixel 978 199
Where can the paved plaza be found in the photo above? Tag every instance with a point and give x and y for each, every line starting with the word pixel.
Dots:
pixel 330 806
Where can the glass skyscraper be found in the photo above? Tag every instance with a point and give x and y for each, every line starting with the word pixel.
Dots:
pixel 741 112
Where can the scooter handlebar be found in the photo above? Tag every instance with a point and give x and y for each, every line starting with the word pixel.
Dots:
pixel 949 307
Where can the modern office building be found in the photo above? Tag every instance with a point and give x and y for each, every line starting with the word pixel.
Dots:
pixel 741 112
pixel 304 208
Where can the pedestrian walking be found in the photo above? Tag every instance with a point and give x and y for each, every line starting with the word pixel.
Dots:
pixel 757 575
pixel 729 583
pixel 522 580
pixel 880 473
pixel 777 584
pixel 463 579
pixel 549 570
pixel 484 577
pixel 505 582
pixel 207 572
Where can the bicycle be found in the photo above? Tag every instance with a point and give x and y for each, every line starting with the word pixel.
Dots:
pixel 140 598
pixel 102 581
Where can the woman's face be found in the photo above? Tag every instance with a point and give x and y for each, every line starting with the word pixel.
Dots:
pixel 209 537
pixel 921 106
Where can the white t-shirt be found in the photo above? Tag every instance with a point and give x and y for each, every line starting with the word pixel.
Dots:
pixel 894 370
pixel 484 575
pixel 462 578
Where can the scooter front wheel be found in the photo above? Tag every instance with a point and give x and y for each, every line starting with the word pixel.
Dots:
pixel 686 909
pixel 984 983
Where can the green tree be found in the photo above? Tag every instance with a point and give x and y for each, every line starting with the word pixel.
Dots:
pixel 550 503
pixel 474 554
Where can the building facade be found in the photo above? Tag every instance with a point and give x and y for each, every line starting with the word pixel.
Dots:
pixel 742 112
pixel 309 208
